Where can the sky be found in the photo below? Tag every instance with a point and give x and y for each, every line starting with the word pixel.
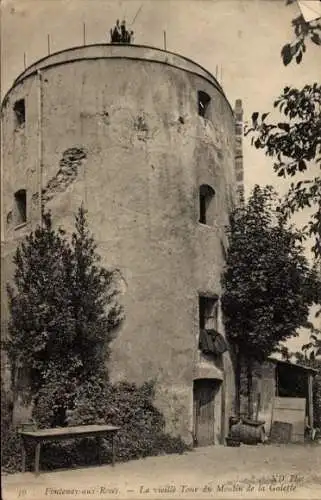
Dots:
pixel 240 38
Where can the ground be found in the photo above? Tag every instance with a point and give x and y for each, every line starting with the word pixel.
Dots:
pixel 264 471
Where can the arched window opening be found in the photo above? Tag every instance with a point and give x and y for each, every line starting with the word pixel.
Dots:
pixel 20 112
pixel 20 198
pixel 208 312
pixel 203 103
pixel 206 195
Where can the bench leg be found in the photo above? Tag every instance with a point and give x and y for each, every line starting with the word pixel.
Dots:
pixel 23 449
pixel 37 458
pixel 99 442
pixel 113 449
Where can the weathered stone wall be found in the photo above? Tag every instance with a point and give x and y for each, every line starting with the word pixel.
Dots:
pixel 124 136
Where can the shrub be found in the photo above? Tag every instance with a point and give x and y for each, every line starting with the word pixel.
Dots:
pixel 132 409
pixel 52 402
pixel 10 441
pixel 11 451
pixel 6 412
pixel 125 405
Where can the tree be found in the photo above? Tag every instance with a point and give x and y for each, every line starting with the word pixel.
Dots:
pixel 63 313
pixel 268 286
pixel 41 325
pixel 312 350
pixel 303 31
pixel 94 298
pixel 295 144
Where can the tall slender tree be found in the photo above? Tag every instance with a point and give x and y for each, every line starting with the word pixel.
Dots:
pixel 268 285
pixel 63 309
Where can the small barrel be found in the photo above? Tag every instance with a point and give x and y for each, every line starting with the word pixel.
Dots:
pixel 248 434
pixel 233 420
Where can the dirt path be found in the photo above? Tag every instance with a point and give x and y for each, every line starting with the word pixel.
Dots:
pixel 291 471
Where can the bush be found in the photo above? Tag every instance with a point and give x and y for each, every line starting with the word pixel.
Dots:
pixel 125 405
pixel 10 441
pixel 51 404
pixel 10 451
pixel 131 408
pixel 6 413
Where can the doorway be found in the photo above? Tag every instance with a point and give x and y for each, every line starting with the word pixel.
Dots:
pixel 204 393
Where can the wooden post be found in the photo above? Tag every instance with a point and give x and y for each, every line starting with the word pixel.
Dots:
pixel 113 448
pixel 23 465
pixel 223 408
pixel 310 399
pixel 48 40
pixel 99 442
pixel 24 60
pixel 84 33
pixel 164 40
pixel 258 404
pixel 37 457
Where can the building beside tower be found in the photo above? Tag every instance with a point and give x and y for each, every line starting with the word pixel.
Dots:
pixel 147 140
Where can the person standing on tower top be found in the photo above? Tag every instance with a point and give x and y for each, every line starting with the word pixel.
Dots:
pixel 116 34
pixel 124 32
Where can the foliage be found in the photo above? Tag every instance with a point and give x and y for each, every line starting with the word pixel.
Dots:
pixel 131 408
pixel 312 350
pixel 63 314
pixel 295 143
pixel 11 451
pixel 126 405
pixel 41 324
pixel 268 285
pixel 10 441
pixel 96 311
pixel 6 411
pixel 303 30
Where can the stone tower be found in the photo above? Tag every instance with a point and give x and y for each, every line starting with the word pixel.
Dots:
pixel 146 139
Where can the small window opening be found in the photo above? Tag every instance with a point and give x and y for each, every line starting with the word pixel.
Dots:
pixel 208 310
pixel 206 195
pixel 203 103
pixel 20 112
pixel 21 206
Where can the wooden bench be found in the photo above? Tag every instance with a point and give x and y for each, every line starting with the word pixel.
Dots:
pixel 38 437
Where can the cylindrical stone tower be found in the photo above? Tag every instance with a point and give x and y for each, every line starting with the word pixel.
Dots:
pixel 146 139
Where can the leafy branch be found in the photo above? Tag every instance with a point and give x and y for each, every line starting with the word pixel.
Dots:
pixel 303 31
pixel 294 144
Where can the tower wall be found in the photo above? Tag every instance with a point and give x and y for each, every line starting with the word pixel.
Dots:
pixel 118 128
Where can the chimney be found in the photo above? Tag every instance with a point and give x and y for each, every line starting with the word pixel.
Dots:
pixel 239 172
